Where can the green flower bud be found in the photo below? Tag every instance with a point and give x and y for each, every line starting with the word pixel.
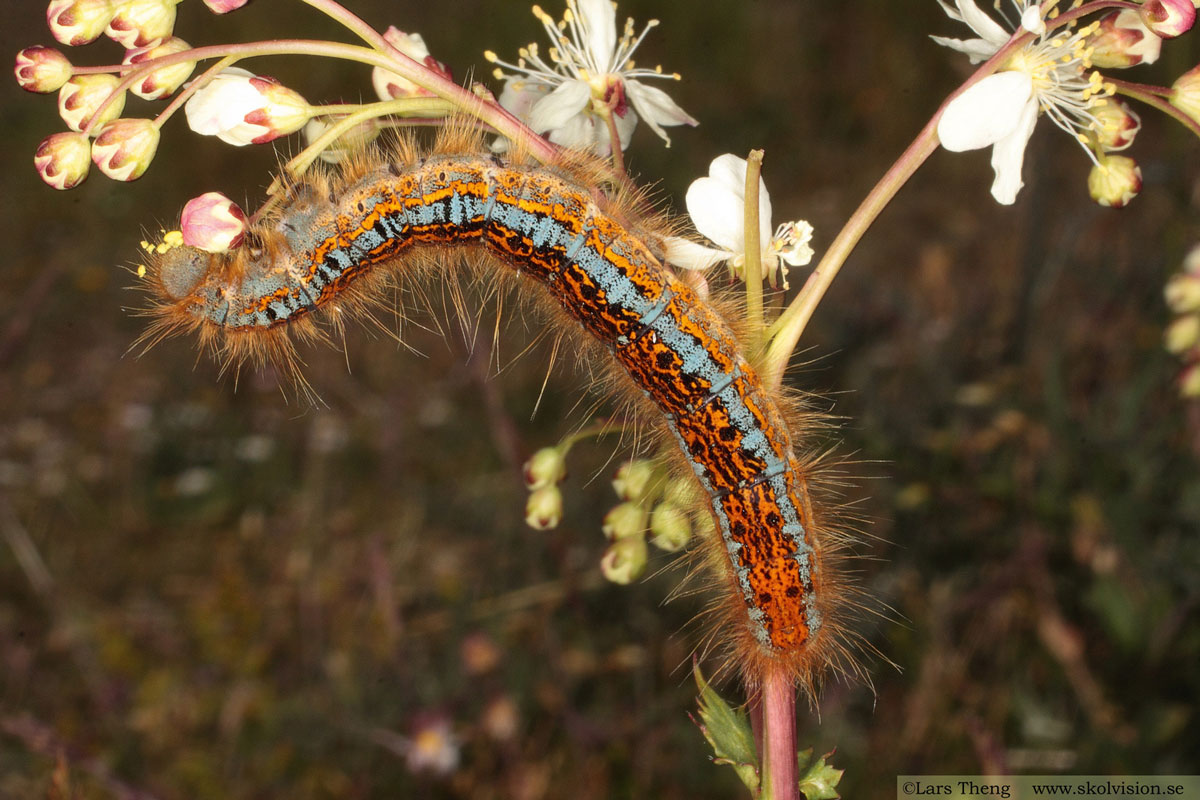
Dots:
pixel 543 509
pixel 628 520
pixel 546 467
pixel 624 560
pixel 1115 181
pixel 633 479
pixel 1182 334
pixel 670 527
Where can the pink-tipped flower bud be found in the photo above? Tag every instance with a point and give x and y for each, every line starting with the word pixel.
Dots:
pixel 1115 181
pixel 161 82
pixel 1182 334
pixel 212 223
pixel 42 69
pixel 670 527
pixel 1122 40
pixel 1185 93
pixel 77 22
pixel 624 560
pixel 1168 18
pixel 624 520
pixel 81 97
pixel 241 108
pixel 1117 124
pixel 224 6
pixel 63 159
pixel 389 85
pixel 1182 293
pixel 544 508
pixel 138 23
pixel 546 467
pixel 632 480
pixel 125 147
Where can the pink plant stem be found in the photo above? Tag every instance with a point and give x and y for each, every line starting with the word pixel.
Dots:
pixel 778 695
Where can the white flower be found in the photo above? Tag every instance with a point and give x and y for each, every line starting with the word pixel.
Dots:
pixel 717 205
pixel 590 76
pixel 240 108
pixel 1050 75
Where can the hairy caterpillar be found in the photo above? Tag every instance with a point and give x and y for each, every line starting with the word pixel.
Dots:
pixel 331 237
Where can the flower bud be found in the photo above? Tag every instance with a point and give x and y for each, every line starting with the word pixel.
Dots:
pixel 352 141
pixel 670 527
pixel 1189 380
pixel 389 85
pixel 1191 261
pixel 543 509
pixel 624 521
pixel 42 69
pixel 1183 293
pixel 63 159
pixel 240 108
pixel 1117 124
pixel 161 82
pixel 212 223
pixel 77 22
pixel 633 479
pixel 546 467
pixel 137 23
pixel 624 560
pixel 1168 18
pixel 1115 181
pixel 224 6
pixel 1121 40
pixel 125 147
pixel 1182 334
pixel 82 96
pixel 1185 93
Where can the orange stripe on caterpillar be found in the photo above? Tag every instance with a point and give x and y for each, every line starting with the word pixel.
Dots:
pixel 549 227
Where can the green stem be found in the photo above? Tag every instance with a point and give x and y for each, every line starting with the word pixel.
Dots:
pixel 492 113
pixel 753 250
pixel 1155 97
pixel 784 334
pixel 786 331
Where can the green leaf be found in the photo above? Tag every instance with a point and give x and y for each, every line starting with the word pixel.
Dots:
pixel 727 729
pixel 819 781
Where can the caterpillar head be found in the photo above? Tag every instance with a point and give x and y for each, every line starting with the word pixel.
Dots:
pixel 181 270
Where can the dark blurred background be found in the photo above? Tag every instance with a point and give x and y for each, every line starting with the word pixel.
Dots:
pixel 209 589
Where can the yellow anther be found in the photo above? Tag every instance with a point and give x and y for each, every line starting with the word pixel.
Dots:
pixel 141 270
pixel 491 56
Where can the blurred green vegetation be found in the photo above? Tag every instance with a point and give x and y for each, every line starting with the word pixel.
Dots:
pixel 211 590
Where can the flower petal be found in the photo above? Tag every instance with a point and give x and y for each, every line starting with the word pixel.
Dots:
pixel 555 109
pixel 657 108
pixel 977 50
pixel 985 113
pixel 1009 154
pixel 687 254
pixel 599 20
pixel 730 171
pixel 981 23
pixel 717 213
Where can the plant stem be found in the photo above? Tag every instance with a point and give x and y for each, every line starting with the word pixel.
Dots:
pixel 780 778
pixel 753 252
pixel 1155 97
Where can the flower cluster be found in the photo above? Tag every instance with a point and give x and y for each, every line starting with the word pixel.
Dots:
pixel 1183 334
pixel 1047 67
pixel 590 88
pixel 650 504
